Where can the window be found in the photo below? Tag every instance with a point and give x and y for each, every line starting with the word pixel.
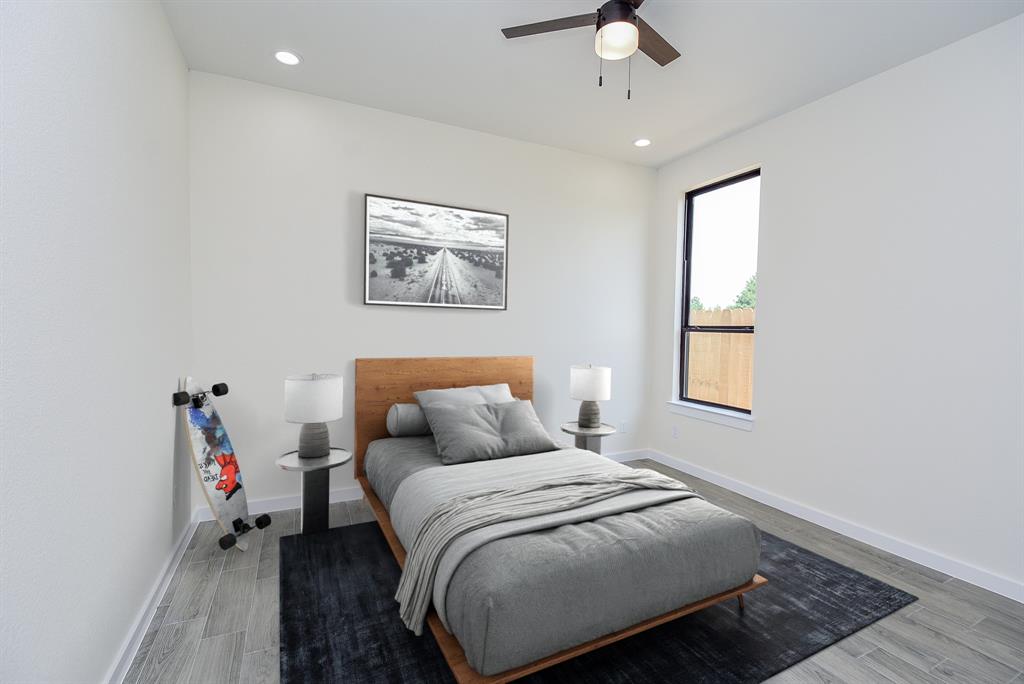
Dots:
pixel 719 297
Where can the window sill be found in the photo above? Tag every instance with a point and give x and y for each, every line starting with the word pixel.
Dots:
pixel 712 414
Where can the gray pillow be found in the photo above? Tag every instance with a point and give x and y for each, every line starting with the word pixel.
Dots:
pixel 462 396
pixel 407 420
pixel 483 432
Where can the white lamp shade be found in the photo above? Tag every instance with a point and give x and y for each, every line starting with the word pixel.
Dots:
pixel 315 398
pixel 590 383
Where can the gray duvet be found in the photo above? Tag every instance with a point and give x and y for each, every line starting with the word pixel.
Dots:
pixel 515 594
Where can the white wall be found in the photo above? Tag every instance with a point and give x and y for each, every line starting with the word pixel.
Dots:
pixel 277 183
pixel 888 374
pixel 95 325
pixel 891 214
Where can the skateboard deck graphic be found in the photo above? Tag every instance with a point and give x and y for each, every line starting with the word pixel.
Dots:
pixel 215 463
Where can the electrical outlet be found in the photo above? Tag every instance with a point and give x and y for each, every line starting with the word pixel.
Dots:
pixel 675 432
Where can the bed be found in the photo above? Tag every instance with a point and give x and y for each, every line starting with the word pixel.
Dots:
pixel 521 603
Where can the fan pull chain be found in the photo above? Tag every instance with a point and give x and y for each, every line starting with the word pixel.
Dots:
pixel 629 66
pixel 629 76
pixel 600 64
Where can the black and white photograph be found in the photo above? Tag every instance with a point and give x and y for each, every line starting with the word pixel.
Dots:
pixel 422 254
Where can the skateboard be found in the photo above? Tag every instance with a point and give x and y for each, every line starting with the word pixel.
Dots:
pixel 215 462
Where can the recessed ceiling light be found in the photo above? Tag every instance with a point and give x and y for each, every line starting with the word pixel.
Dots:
pixel 641 142
pixel 285 57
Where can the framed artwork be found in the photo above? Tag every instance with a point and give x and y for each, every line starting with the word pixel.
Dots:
pixel 423 254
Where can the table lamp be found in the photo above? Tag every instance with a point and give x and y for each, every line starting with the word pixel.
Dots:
pixel 313 400
pixel 589 385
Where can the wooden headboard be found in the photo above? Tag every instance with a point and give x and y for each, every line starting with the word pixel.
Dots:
pixel 383 382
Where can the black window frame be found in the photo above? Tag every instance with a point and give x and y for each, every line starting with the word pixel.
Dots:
pixel 687 258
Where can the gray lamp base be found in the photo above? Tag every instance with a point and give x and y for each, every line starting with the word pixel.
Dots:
pixel 590 415
pixel 314 440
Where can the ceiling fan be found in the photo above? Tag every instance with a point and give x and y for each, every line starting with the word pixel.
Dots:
pixel 620 32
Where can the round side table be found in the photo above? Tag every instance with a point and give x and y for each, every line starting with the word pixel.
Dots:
pixel 588 438
pixel 316 480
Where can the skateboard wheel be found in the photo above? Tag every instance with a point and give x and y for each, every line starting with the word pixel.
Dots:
pixel 180 398
pixel 262 521
pixel 221 388
pixel 227 541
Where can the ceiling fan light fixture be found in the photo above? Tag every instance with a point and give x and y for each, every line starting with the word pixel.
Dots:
pixel 618 36
pixel 617 40
pixel 619 30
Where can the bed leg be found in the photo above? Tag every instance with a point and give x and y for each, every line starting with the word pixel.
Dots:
pixel 740 599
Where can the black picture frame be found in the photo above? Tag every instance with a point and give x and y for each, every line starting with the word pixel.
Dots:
pixel 436 297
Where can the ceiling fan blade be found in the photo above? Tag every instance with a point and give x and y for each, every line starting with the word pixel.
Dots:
pixel 653 45
pixel 552 25
pixel 637 3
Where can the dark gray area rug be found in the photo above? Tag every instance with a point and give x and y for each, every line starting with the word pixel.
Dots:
pixel 339 620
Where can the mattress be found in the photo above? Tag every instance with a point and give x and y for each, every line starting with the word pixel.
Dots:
pixel 522 598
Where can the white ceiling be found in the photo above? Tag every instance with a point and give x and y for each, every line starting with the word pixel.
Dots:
pixel 743 61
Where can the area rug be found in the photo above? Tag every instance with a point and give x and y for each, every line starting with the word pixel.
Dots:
pixel 339 621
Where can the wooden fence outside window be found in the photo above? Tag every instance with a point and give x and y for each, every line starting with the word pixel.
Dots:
pixel 720 366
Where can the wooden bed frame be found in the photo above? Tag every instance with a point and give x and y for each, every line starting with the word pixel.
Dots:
pixel 383 382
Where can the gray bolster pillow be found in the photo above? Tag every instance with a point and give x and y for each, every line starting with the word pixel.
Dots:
pixel 407 420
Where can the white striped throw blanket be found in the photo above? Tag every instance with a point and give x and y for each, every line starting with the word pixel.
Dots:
pixel 475 510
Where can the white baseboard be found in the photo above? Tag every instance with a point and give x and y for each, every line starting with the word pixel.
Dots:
pixel 629 455
pixel 282 503
pixel 131 644
pixel 932 559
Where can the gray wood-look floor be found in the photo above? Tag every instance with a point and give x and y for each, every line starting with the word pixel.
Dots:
pixel 218 620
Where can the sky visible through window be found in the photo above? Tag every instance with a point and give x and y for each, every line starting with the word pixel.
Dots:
pixel 724 251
